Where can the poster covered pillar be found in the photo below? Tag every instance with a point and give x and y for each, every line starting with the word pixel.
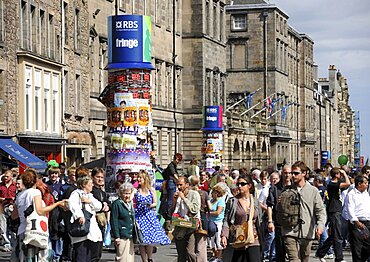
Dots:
pixel 127 98
pixel 212 142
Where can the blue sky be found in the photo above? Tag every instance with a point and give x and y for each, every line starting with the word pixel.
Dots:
pixel 341 32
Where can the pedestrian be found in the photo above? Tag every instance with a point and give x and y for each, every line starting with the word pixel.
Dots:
pixel 298 239
pixel 122 220
pixel 82 196
pixel 237 213
pixel 146 202
pixel 193 168
pixel 200 233
pixel 8 189
pixel 357 203
pixel 98 192
pixel 334 213
pixel 30 196
pixel 216 206
pixel 275 190
pixel 170 176
pixel 187 203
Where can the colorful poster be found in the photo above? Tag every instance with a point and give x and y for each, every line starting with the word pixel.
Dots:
pixel 114 117
pixel 130 116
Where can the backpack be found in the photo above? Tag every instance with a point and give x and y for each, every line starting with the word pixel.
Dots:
pixel 288 208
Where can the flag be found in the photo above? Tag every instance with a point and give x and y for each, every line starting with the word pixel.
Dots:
pixel 248 101
pixel 268 102
pixel 283 111
pixel 272 105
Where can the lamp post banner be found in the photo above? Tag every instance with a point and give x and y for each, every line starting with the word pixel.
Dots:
pixel 129 42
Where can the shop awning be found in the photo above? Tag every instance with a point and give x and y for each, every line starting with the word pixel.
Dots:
pixel 21 154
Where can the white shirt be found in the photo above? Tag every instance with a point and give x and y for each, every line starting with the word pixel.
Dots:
pixel 75 206
pixel 263 193
pixel 23 201
pixel 357 206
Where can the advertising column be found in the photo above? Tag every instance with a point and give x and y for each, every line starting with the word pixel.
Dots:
pixel 128 98
pixel 212 143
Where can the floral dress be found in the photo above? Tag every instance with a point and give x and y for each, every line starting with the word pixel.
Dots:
pixel 151 229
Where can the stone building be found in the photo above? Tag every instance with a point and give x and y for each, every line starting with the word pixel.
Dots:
pixel 337 117
pixel 205 52
pixel 267 55
pixel 31 76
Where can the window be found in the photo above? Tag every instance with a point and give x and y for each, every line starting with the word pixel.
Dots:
pixel 47 101
pixel 23 26
pixel 51 36
pixel 215 22
pixel 37 100
pixel 222 23
pixel 1 20
pixel 78 94
pixel 122 5
pixel 28 106
pixel 77 32
pixel 33 29
pixel 206 19
pixel 66 88
pixel 157 11
pixel 55 103
pixel 239 56
pixel 65 21
pixel 42 33
pixel 239 22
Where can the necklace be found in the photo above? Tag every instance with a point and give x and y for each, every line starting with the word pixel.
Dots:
pixel 245 198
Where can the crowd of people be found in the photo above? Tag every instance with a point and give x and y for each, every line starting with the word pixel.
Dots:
pixel 228 215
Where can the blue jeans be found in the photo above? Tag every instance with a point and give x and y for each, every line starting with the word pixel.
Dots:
pixel 269 248
pixel 171 189
pixel 323 237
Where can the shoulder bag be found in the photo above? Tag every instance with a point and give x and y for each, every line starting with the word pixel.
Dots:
pixel 78 230
pixel 37 230
pixel 244 233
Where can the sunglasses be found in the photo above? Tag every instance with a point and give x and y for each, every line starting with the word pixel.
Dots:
pixel 296 173
pixel 241 184
pixel 179 184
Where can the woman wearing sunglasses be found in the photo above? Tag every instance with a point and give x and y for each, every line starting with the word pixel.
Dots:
pixel 237 213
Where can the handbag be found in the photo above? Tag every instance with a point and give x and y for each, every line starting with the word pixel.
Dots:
pixel 37 230
pixel 78 230
pixel 244 234
pixel 208 225
pixel 137 235
pixel 101 219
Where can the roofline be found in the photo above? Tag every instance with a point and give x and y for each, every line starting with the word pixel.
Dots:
pixel 255 6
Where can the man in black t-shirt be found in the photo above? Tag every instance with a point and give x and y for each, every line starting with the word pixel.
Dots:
pixel 334 212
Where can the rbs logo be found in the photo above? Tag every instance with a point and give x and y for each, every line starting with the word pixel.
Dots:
pixel 127 24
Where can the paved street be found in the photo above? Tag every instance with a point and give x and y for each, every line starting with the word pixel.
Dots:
pixel 168 254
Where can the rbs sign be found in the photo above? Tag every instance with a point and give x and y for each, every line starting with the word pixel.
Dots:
pixel 212 118
pixel 129 42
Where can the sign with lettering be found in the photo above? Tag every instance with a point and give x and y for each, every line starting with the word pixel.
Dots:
pixel 212 118
pixel 129 42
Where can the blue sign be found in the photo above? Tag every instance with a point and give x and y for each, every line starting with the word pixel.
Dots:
pixel 212 118
pixel 325 157
pixel 129 42
pixel 22 155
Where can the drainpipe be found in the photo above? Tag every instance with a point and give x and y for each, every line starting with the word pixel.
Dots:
pixel 174 55
pixel 64 89
pixel 265 15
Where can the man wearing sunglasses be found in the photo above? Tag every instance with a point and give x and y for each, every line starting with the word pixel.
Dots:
pixel 277 186
pixel 298 239
pixel 186 203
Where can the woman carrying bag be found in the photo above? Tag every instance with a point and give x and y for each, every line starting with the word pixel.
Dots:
pixel 241 226
pixel 80 199
pixel 29 202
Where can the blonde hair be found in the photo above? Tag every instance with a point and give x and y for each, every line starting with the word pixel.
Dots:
pixel 147 182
